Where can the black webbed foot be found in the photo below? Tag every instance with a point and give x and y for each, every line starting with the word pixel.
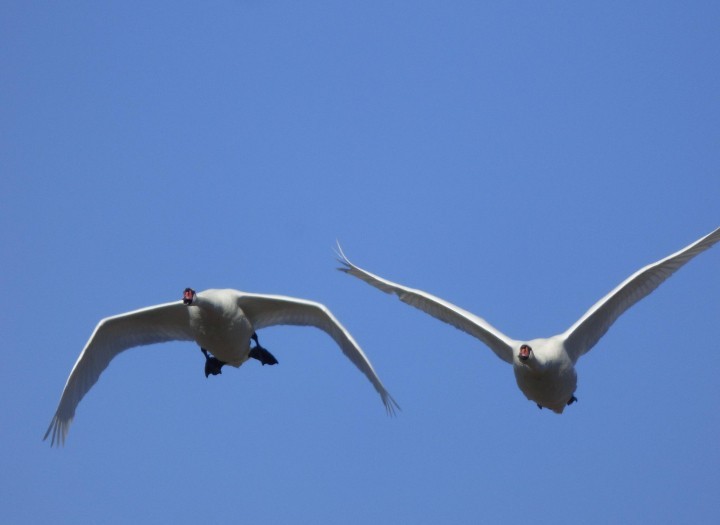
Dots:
pixel 539 405
pixel 572 400
pixel 213 365
pixel 259 353
pixel 262 355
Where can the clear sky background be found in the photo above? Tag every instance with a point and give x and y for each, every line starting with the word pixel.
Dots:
pixel 519 159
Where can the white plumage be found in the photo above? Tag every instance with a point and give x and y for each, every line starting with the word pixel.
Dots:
pixel 221 321
pixel 545 368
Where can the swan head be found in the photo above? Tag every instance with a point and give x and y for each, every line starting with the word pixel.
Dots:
pixel 525 352
pixel 188 296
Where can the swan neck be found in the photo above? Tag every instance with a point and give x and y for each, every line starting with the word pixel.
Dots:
pixel 202 302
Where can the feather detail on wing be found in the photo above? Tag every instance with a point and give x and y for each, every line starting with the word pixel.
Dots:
pixel 586 332
pixel 112 335
pixel 270 310
pixel 438 308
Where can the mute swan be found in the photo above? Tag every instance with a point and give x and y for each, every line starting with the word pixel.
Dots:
pixel 545 368
pixel 221 321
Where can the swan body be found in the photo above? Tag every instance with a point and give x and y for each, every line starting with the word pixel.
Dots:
pixel 545 368
pixel 221 325
pixel 221 321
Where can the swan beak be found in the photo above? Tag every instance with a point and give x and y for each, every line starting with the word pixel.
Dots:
pixel 524 354
pixel 188 296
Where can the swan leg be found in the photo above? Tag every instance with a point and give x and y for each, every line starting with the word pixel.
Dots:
pixel 213 365
pixel 572 400
pixel 259 353
pixel 539 405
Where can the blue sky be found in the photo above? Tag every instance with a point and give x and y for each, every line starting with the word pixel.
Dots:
pixel 519 159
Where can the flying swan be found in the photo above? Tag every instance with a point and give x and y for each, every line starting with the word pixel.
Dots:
pixel 221 322
pixel 545 368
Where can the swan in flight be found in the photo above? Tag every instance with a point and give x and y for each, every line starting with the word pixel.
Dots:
pixel 545 368
pixel 221 322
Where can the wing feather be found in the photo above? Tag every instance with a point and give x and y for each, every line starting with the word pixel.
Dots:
pixel 271 310
pixel 112 335
pixel 438 308
pixel 588 330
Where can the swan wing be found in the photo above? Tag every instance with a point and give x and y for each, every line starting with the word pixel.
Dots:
pixel 271 310
pixel 112 335
pixel 588 330
pixel 438 308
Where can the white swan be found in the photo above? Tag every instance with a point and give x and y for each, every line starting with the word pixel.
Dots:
pixel 545 368
pixel 221 321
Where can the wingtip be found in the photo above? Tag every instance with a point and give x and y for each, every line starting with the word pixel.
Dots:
pixel 57 431
pixel 391 406
pixel 342 258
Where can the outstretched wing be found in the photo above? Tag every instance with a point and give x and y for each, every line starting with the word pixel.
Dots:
pixel 438 308
pixel 583 335
pixel 271 310
pixel 112 335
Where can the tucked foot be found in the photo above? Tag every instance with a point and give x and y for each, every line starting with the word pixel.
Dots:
pixel 262 355
pixel 212 364
pixel 572 400
pixel 539 405
pixel 259 353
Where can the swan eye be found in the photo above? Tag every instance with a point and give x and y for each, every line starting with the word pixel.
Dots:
pixel 188 296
